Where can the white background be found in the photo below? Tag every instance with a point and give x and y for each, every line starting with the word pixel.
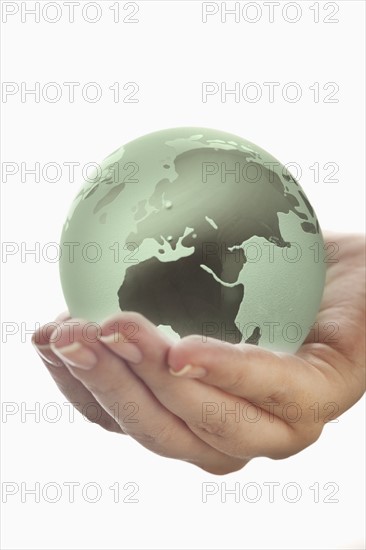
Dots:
pixel 169 53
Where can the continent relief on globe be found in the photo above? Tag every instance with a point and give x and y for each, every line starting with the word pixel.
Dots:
pixel 203 233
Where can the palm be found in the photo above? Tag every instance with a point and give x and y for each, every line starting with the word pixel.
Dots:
pixel 338 335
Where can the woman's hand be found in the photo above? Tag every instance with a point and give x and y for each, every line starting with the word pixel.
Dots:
pixel 98 378
pixel 216 404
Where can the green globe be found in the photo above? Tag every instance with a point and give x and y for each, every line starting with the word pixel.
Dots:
pixel 203 233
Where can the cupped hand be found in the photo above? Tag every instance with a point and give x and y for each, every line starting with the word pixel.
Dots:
pixel 216 404
pixel 98 377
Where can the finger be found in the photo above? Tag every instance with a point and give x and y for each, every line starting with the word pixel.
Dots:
pixel 140 414
pixel 276 382
pixel 244 370
pixel 280 384
pixel 212 414
pixel 62 317
pixel 69 386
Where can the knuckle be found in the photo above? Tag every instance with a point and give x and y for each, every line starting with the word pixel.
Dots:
pixel 158 439
pixel 276 397
pixel 213 427
pixel 120 321
pixel 230 438
pixel 186 344
pixel 103 388
pixel 236 379
pixel 132 317
pixel 163 436
pixel 247 351
pixel 246 447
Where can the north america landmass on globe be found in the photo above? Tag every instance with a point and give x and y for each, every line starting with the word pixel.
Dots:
pixel 203 233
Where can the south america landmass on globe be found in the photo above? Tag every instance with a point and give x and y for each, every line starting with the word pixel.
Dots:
pixel 203 233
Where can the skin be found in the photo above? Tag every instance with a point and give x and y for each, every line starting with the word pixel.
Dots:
pixel 281 401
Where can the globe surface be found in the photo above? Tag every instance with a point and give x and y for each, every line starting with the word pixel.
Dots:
pixel 203 233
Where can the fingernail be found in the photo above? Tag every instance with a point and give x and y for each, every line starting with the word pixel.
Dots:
pixel 45 352
pixel 77 355
pixel 125 349
pixel 189 371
